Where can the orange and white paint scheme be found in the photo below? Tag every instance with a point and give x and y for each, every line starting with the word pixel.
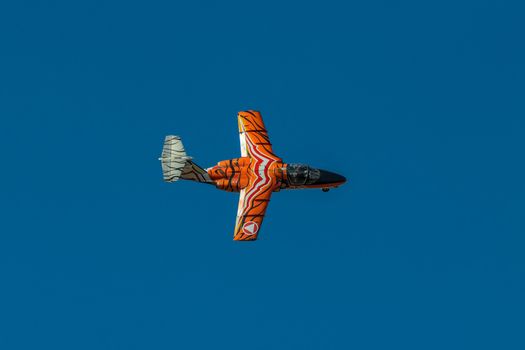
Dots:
pixel 255 175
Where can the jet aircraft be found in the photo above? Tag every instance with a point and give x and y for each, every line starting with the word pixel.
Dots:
pixel 256 174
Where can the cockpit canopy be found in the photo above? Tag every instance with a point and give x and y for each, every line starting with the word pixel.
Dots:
pixel 302 174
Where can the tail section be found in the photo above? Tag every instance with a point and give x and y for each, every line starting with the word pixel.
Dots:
pixel 177 165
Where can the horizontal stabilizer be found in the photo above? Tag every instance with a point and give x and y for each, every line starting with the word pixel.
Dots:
pixel 177 165
pixel 173 158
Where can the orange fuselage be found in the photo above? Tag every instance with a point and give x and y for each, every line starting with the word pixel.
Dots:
pixel 235 174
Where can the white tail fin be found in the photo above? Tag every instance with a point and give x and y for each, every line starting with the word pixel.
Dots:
pixel 177 165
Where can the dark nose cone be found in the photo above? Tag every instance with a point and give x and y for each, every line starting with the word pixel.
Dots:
pixel 327 177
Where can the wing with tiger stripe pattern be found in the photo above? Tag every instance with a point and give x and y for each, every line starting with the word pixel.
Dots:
pixel 252 207
pixel 253 134
pixel 255 197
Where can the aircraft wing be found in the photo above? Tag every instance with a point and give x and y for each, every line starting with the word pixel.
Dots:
pixel 254 137
pixel 253 202
pixel 255 197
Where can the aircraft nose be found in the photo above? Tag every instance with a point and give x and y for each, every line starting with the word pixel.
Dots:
pixel 328 177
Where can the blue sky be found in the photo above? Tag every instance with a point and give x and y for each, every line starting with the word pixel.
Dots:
pixel 419 104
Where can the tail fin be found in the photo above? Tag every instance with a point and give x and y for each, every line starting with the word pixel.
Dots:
pixel 177 165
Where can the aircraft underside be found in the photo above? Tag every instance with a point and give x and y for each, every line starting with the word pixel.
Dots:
pixel 255 175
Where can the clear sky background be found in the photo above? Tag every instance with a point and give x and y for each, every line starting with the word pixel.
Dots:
pixel 419 104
